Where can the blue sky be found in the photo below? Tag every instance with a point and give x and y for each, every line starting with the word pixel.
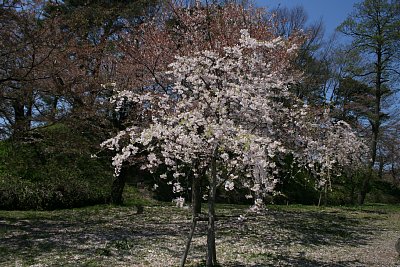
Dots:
pixel 332 12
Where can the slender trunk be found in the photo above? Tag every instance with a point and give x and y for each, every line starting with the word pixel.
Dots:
pixel 192 229
pixel 323 193
pixel 381 165
pixel 54 109
pixel 28 115
pixel 196 210
pixel 211 250
pixel 320 197
pixel 352 190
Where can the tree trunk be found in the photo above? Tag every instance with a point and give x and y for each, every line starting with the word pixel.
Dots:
pixel 192 229
pixel 375 123
pixel 21 122
pixel 196 196
pixel 381 165
pixel 54 109
pixel 320 198
pixel 211 250
pixel 352 190
pixel 365 185
pixel 118 186
pixel 196 210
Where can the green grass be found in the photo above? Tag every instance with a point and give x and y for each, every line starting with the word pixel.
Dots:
pixel 133 197
pixel 107 235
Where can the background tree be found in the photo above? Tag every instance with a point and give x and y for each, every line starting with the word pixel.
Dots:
pixel 28 48
pixel 289 22
pixel 93 30
pixel 55 56
pixel 373 28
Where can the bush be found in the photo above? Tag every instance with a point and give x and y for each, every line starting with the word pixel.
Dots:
pixel 54 169
pixel 27 195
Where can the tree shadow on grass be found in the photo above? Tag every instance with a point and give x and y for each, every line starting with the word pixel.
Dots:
pixel 117 232
pixel 308 228
pixel 87 236
pixel 312 228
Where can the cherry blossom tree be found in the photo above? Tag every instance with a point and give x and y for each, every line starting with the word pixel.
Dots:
pixel 228 115
pixel 147 51
pixel 328 149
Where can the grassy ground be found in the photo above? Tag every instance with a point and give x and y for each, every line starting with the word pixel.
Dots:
pixel 281 236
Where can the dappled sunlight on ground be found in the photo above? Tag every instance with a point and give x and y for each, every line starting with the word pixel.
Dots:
pixel 281 236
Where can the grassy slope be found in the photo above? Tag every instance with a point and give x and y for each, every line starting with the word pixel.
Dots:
pixel 283 236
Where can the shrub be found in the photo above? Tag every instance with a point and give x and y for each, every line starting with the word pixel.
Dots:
pixel 53 169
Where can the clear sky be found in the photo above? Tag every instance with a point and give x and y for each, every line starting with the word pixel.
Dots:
pixel 332 12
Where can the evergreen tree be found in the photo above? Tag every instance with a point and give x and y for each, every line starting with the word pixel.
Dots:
pixel 374 29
